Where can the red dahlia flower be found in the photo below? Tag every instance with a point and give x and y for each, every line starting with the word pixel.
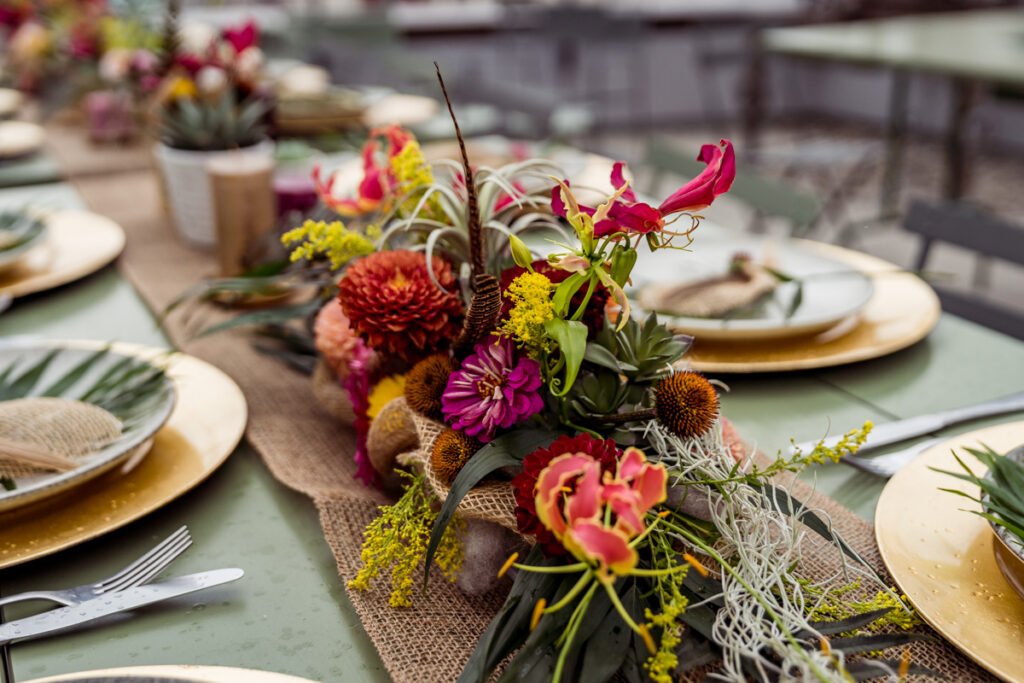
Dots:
pixel 391 301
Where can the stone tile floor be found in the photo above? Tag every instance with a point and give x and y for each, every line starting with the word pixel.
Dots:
pixel 997 183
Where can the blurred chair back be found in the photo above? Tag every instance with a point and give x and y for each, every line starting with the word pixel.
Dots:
pixel 972 228
pixel 767 197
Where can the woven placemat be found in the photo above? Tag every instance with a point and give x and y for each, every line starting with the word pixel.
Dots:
pixel 310 452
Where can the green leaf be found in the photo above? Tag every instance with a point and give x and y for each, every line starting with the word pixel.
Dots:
pixel 797 301
pixel 511 626
pixel 505 451
pixel 565 291
pixel 828 628
pixel 571 336
pixel 599 355
pixel 73 376
pixel 605 650
pixel 875 642
pixel 24 383
pixel 268 317
pixel 867 669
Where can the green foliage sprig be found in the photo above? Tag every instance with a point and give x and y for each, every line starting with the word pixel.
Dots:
pixel 1001 492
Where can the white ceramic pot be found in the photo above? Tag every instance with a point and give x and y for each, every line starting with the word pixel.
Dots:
pixel 189 195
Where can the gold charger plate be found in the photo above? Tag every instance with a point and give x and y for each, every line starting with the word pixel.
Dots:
pixel 176 674
pixel 901 312
pixel 941 556
pixel 77 244
pixel 207 424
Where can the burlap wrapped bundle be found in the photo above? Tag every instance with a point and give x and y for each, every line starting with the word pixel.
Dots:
pixel 331 395
pixel 488 502
pixel 56 426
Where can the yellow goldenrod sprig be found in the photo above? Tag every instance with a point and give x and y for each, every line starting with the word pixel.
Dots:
pixel 530 294
pixel 333 240
pixel 397 540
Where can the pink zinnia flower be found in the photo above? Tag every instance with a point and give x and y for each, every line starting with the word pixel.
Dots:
pixel 492 390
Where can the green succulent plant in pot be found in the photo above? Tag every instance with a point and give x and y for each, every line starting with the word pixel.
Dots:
pixel 192 132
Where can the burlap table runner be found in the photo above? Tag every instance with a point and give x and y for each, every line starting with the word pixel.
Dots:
pixel 308 451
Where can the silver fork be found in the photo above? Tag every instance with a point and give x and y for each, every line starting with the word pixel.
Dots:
pixel 889 464
pixel 137 573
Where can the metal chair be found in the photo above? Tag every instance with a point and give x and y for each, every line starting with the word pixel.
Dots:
pixel 767 197
pixel 972 228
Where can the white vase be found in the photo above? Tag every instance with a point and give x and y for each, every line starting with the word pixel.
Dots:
pixel 189 195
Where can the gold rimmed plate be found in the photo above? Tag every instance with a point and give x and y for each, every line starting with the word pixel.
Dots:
pixel 77 243
pixel 147 413
pixel 942 556
pixel 204 428
pixel 902 310
pixel 174 674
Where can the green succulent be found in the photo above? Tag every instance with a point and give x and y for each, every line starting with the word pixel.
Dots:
pixel 213 126
pixel 620 369
pixel 643 353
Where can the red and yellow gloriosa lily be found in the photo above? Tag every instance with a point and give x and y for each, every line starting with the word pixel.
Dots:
pixel 594 516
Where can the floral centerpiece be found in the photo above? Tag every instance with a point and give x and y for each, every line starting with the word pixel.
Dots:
pixel 645 540
pixel 45 39
pixel 211 103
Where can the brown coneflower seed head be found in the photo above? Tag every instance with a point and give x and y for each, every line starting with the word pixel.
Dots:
pixel 686 404
pixel 426 382
pixel 452 450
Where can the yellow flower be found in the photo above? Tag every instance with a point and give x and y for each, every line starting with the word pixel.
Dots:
pixel 412 172
pixel 383 392
pixel 530 294
pixel 333 240
pixel 395 543
pixel 180 88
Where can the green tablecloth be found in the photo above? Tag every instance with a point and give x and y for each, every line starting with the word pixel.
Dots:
pixel 290 613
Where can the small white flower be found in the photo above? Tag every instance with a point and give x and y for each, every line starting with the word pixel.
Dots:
pixel 196 37
pixel 114 64
pixel 211 80
pixel 249 64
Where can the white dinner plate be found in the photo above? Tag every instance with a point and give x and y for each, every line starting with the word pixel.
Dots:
pixel 138 428
pixel 18 138
pixel 831 291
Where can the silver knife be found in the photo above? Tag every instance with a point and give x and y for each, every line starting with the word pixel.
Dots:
pixel 912 427
pixel 69 617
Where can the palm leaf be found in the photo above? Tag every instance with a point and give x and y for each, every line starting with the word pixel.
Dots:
pixel 128 387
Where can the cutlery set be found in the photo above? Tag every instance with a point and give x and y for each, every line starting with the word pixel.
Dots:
pixel 126 590
pixel 910 428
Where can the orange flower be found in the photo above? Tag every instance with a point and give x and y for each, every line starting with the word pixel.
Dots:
pixel 595 515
